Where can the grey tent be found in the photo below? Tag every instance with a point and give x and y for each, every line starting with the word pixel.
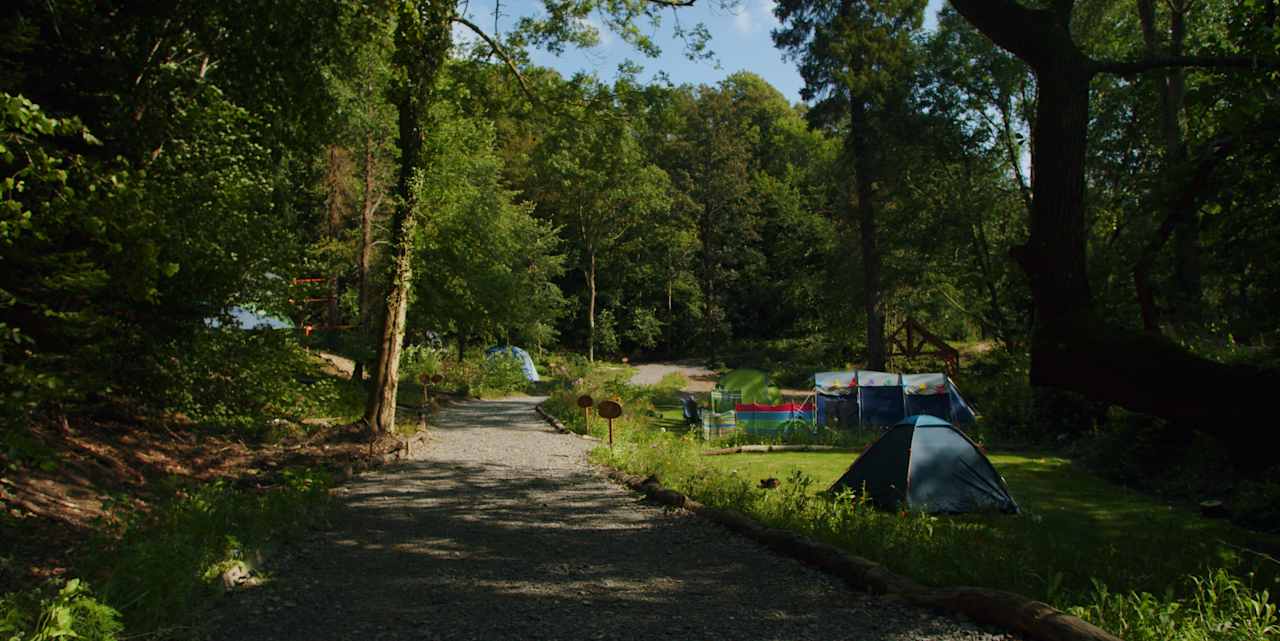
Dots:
pixel 924 463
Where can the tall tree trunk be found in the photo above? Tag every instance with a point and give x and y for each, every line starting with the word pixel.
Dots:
pixel 381 410
pixel 380 413
pixel 591 306
pixel 1186 236
pixel 1054 256
pixel 333 180
pixel 1180 215
pixel 865 168
pixel 423 33
pixel 368 207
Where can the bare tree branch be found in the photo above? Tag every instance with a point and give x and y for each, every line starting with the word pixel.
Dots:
pixel 1133 67
pixel 674 3
pixel 502 53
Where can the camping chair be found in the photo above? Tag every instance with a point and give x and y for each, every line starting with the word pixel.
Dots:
pixel 692 413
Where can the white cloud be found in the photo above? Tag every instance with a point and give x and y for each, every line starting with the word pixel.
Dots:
pixel 754 15
pixel 742 20
pixel 765 9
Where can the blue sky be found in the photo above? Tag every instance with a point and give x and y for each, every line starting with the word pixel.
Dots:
pixel 740 39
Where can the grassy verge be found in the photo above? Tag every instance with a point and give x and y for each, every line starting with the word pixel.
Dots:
pixel 1136 567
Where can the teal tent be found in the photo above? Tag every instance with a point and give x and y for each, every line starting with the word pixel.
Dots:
pixel 924 463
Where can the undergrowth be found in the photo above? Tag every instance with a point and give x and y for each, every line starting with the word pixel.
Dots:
pixel 155 570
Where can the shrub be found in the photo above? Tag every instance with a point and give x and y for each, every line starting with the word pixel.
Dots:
pixel 501 374
pixel 998 386
pixel 57 611
pixel 163 564
pixel 235 379
pixel 1221 608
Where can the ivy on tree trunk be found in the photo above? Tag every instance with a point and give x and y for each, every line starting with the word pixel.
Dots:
pixel 422 43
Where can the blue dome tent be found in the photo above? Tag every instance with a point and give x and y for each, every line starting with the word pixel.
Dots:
pixel 924 463
pixel 526 361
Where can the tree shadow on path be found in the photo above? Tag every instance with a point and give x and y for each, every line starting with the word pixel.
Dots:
pixel 502 531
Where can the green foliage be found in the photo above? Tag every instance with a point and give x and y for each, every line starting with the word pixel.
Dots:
pixel 595 182
pixel 57 611
pixel 164 564
pixel 997 385
pixel 644 328
pixel 421 361
pixel 1222 607
pixel 500 374
pixel 240 380
pixel 606 333
pixel 57 286
pixel 477 375
pixel 486 265
pixel 603 382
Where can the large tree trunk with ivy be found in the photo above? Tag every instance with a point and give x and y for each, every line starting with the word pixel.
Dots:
pixel 422 42
pixel 381 410
pixel 1072 346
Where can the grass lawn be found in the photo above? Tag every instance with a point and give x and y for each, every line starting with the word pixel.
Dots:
pixel 1072 517
pixel 823 467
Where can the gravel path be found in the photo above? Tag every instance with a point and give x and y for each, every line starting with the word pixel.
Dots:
pixel 700 378
pixel 501 530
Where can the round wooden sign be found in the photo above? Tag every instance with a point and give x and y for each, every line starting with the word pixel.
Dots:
pixel 585 401
pixel 609 409
pixel 436 378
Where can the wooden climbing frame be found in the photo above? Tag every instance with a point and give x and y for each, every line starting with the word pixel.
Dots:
pixel 912 339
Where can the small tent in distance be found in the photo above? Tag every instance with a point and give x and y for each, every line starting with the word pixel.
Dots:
pixel 521 356
pixel 924 463
pixel 248 317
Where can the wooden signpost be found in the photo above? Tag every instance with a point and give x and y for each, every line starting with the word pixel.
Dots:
pixel 610 410
pixel 427 381
pixel 585 402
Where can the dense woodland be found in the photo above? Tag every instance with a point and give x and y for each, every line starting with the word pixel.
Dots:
pixel 1090 183
pixel 1083 192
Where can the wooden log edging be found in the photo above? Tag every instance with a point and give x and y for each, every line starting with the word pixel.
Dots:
pixel 740 449
pixel 1007 610
pixel 559 427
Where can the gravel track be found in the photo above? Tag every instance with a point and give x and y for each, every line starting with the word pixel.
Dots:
pixel 699 379
pixel 500 529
